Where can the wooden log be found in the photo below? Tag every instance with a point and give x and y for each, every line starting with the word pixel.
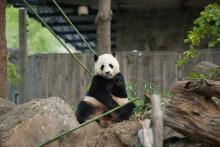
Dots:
pixel 145 135
pixel 192 111
pixel 22 52
pixel 157 119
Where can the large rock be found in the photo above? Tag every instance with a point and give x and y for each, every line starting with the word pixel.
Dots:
pixel 192 111
pixel 32 123
pixel 117 135
pixel 5 106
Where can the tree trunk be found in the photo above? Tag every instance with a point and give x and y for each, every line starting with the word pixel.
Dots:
pixel 103 21
pixel 157 119
pixel 194 110
pixel 22 54
pixel 3 52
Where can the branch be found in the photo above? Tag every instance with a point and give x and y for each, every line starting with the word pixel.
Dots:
pixel 157 119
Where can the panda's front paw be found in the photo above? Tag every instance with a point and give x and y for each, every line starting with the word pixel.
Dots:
pixel 118 80
pixel 80 120
pixel 119 115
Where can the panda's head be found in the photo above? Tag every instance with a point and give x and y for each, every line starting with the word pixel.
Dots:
pixel 106 65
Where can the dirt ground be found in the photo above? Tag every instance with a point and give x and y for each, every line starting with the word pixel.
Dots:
pixel 117 135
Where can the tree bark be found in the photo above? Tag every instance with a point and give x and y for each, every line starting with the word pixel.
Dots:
pixel 3 52
pixel 157 119
pixel 22 53
pixel 103 21
pixel 194 110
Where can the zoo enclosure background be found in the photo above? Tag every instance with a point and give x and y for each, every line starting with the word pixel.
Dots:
pixel 59 75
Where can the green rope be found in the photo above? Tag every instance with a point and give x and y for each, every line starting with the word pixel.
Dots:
pixel 55 35
pixel 84 124
pixel 70 22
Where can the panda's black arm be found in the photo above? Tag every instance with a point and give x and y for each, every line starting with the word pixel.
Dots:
pixel 106 99
pixel 99 89
pixel 119 89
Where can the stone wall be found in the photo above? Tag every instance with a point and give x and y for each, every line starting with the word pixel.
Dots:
pixel 165 29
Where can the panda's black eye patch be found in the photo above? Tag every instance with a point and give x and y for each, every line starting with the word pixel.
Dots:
pixel 102 67
pixel 110 65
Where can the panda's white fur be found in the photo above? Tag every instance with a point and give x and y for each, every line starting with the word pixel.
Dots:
pixel 93 101
pixel 100 108
pixel 106 60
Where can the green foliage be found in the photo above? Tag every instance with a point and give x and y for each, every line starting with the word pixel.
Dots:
pixel 206 27
pixel 152 89
pixel 213 72
pixel 12 27
pixel 195 75
pixel 40 40
pixel 187 55
pixel 138 145
pixel 210 75
pixel 13 76
pixel 143 104
pixel 131 89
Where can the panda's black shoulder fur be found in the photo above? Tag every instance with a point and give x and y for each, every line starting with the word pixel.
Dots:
pixel 99 84
pixel 115 86
pixel 102 89
pixel 119 87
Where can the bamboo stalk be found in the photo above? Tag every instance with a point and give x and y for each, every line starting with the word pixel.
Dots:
pixel 84 124
pixel 56 36
pixel 73 26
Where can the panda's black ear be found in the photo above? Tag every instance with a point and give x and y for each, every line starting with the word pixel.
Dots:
pixel 113 54
pixel 95 58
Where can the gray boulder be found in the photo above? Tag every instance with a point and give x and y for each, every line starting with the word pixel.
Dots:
pixel 5 106
pixel 32 123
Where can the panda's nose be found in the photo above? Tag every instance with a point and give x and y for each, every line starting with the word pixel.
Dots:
pixel 107 72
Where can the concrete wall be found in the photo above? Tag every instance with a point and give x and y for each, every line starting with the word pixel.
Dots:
pixel 164 29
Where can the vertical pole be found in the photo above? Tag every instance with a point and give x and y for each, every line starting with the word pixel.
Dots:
pixel 3 52
pixel 157 119
pixel 22 53
pixel 103 21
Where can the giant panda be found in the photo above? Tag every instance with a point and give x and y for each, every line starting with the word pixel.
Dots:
pixel 107 91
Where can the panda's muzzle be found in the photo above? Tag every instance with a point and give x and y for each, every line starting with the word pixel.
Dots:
pixel 108 74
